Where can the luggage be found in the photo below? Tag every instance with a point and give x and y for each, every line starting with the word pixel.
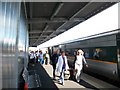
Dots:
pixel 67 75
pixel 72 73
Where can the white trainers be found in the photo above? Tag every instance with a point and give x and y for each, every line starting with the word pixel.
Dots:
pixel 78 81
pixel 63 83
pixel 60 81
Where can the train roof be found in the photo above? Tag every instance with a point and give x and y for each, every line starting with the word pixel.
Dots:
pixel 94 36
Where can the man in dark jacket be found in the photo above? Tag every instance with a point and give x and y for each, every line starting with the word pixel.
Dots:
pixel 54 60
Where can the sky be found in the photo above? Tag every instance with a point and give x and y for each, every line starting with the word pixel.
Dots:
pixel 106 20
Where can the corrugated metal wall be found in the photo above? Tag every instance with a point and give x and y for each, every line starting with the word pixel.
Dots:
pixel 13 38
pixel 1 37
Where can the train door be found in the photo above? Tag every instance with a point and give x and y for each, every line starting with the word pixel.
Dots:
pixel 118 56
pixel 118 53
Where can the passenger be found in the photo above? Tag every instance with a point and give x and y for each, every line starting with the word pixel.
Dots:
pixel 47 58
pixel 79 59
pixel 41 60
pixel 32 57
pixel 54 60
pixel 62 66
pixel 36 56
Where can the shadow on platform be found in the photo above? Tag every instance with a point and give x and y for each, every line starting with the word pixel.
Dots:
pixel 45 80
pixel 85 84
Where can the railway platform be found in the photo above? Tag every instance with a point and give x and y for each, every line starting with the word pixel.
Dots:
pixel 44 73
pixel 39 78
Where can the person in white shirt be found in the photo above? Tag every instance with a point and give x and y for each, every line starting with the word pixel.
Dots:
pixel 79 59
pixel 62 66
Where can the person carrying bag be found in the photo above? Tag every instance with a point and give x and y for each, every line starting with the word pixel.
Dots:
pixel 62 66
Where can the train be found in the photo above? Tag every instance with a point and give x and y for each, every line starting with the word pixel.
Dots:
pixel 102 53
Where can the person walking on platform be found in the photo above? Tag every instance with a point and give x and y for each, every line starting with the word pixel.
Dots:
pixel 36 56
pixel 54 60
pixel 32 57
pixel 41 60
pixel 62 66
pixel 47 58
pixel 79 59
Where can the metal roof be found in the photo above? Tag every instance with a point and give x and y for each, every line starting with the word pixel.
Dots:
pixel 49 19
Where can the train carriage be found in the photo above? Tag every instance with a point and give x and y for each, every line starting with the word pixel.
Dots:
pixel 102 52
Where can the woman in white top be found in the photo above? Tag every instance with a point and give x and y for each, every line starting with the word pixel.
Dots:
pixel 79 64
pixel 62 66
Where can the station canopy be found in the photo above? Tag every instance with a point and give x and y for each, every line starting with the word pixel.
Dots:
pixel 47 20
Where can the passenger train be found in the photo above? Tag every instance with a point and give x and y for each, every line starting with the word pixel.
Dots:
pixel 102 52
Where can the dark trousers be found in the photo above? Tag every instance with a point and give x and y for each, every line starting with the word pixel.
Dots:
pixel 32 60
pixel 36 59
pixel 46 61
pixel 54 67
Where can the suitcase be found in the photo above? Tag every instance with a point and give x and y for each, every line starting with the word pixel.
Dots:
pixel 72 71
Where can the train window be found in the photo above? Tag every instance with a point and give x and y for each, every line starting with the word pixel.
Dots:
pixel 86 53
pixel 105 54
pixel 108 54
pixel 68 52
pixel 96 53
pixel 112 54
pixel 100 54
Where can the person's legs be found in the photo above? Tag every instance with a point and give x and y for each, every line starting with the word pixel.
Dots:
pixel 62 77
pixel 76 75
pixel 46 61
pixel 79 75
pixel 54 67
pixel 78 72
pixel 36 59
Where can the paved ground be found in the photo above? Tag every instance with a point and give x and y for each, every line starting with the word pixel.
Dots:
pixel 38 78
pixel 43 79
pixel 68 83
pixel 87 82
pixel 45 76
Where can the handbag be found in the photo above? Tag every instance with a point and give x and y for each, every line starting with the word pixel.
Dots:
pixel 67 74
